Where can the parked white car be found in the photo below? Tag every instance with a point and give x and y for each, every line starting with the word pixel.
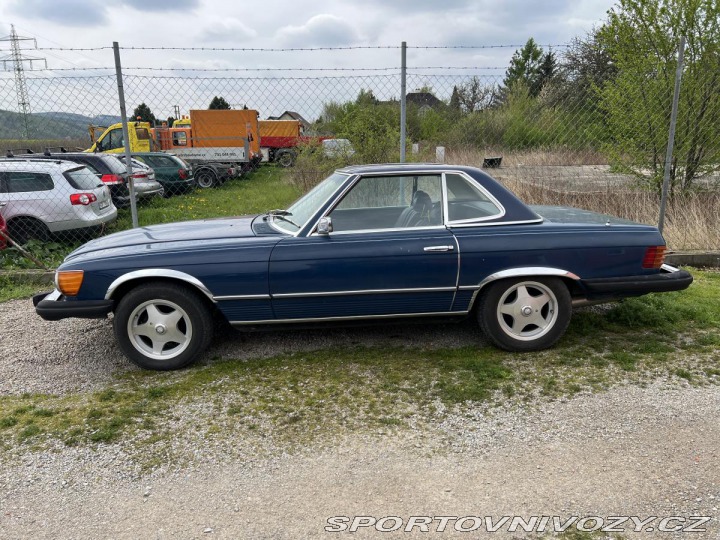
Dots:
pixel 334 148
pixel 40 198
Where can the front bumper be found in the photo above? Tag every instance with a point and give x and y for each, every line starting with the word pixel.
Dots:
pixel 54 306
pixel 671 279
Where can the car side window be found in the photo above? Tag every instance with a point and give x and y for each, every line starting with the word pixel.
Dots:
pixel 24 182
pixel 467 201
pixel 390 202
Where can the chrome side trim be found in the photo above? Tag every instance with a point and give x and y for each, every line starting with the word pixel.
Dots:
pixel 158 273
pixel 363 291
pixel 669 268
pixel 394 229
pixel 242 297
pixel 528 271
pixel 452 225
pixel 348 318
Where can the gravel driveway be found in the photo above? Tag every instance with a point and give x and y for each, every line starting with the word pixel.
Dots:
pixel 628 451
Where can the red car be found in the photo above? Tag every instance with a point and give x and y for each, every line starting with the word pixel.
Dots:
pixel 3 229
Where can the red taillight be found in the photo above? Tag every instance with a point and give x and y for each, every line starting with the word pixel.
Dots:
pixel 112 179
pixel 140 175
pixel 82 198
pixel 654 257
pixel 183 174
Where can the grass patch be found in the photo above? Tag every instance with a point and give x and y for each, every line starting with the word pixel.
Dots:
pixel 12 289
pixel 259 191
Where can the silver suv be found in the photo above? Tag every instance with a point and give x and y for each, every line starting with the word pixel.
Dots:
pixel 40 198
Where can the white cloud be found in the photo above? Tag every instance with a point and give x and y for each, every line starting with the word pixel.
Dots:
pixel 322 30
pixel 228 31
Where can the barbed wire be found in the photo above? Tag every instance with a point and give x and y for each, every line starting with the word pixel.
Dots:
pixel 394 68
pixel 292 49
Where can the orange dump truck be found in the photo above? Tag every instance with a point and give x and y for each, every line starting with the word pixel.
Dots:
pixel 216 143
pixel 278 139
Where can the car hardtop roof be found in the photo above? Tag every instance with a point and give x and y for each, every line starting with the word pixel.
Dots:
pixel 32 163
pixel 408 167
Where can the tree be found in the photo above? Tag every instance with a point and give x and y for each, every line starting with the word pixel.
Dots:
pixel 585 67
pixel 524 68
pixel 455 99
pixel 641 37
pixel 473 96
pixel 218 103
pixel 366 97
pixel 143 113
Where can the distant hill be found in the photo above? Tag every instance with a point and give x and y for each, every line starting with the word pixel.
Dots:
pixel 51 125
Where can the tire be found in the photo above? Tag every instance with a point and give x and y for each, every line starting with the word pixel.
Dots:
pixel 285 158
pixel 205 178
pixel 181 313
pixel 526 314
pixel 23 229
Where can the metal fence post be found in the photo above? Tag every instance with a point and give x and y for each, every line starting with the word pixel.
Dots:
pixel 126 138
pixel 403 105
pixel 671 135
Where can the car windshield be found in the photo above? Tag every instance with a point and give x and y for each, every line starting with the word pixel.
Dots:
pixel 304 208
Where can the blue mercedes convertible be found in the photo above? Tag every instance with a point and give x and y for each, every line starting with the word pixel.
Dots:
pixel 367 243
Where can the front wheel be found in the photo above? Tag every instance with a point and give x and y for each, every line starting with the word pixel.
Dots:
pixel 527 314
pixel 162 326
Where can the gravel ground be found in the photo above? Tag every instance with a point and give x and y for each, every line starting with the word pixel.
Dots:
pixel 633 451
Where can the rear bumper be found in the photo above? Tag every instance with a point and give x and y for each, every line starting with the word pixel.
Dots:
pixel 53 307
pixel 670 279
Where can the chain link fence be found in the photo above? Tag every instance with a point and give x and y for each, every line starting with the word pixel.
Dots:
pixel 581 133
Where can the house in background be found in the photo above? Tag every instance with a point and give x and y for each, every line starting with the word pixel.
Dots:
pixel 292 115
pixel 423 100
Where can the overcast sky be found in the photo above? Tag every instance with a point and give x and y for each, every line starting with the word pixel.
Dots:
pixel 293 24
pixel 298 23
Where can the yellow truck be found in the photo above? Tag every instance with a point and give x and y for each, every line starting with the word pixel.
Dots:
pixel 216 143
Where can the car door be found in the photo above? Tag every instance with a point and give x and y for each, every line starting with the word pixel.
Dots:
pixel 389 254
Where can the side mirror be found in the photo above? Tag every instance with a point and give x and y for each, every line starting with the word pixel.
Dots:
pixel 325 226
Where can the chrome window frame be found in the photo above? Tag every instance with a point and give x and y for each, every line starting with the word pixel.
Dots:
pixel 478 187
pixel 358 177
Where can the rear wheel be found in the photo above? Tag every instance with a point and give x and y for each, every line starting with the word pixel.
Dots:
pixel 285 158
pixel 23 229
pixel 206 178
pixel 162 326
pixel 527 314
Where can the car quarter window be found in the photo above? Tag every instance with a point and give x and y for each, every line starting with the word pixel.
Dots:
pixel 390 202
pixel 467 201
pixel 23 182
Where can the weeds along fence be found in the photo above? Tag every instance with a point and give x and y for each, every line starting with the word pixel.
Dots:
pixel 566 131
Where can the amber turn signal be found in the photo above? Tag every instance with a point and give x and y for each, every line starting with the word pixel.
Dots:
pixel 69 281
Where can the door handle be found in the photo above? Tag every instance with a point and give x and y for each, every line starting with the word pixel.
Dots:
pixel 439 248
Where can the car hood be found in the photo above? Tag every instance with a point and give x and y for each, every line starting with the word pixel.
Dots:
pixel 185 232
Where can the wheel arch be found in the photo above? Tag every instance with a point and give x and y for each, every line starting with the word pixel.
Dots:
pixel 120 286
pixel 570 279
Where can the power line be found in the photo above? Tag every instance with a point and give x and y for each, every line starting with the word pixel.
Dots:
pixel 17 59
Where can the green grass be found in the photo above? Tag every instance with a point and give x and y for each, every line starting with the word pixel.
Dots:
pixel 11 289
pixel 259 191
